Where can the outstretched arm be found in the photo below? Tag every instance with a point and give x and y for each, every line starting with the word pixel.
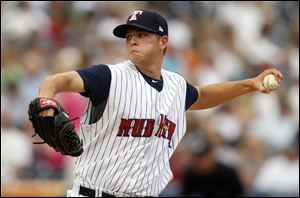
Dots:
pixel 216 94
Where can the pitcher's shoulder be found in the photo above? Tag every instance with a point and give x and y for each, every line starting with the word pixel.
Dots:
pixel 124 65
pixel 173 75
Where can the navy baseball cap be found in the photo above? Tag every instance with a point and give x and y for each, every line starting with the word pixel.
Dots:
pixel 146 20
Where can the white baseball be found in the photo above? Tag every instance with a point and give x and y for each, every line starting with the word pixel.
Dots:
pixel 270 82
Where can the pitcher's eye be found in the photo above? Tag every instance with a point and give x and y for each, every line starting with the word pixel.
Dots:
pixel 141 35
pixel 128 37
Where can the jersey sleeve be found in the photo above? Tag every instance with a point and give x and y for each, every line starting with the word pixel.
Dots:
pixel 96 79
pixel 191 95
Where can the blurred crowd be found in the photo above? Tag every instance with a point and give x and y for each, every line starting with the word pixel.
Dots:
pixel 248 146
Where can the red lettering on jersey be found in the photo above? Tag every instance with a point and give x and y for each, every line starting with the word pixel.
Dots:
pixel 124 127
pixel 149 128
pixel 144 128
pixel 138 127
pixel 171 130
pixel 160 130
pixel 166 129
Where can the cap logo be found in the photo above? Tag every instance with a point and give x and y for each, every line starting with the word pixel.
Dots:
pixel 133 15
pixel 160 29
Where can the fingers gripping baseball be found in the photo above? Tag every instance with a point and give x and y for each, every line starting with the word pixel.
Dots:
pixel 268 81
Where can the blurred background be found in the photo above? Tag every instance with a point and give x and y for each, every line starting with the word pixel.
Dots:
pixel 246 147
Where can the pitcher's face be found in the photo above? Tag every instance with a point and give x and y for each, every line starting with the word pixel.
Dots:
pixel 142 46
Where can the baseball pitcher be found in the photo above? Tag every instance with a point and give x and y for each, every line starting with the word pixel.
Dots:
pixel 135 117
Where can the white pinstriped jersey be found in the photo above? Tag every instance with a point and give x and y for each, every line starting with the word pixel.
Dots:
pixel 128 149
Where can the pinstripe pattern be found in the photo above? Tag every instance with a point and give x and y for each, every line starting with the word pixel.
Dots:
pixel 135 165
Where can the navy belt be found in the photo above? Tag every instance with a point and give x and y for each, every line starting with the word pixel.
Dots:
pixel 92 193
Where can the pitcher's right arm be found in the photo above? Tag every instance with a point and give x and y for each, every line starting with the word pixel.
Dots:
pixel 61 82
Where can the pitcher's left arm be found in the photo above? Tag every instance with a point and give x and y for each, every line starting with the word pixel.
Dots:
pixel 215 94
